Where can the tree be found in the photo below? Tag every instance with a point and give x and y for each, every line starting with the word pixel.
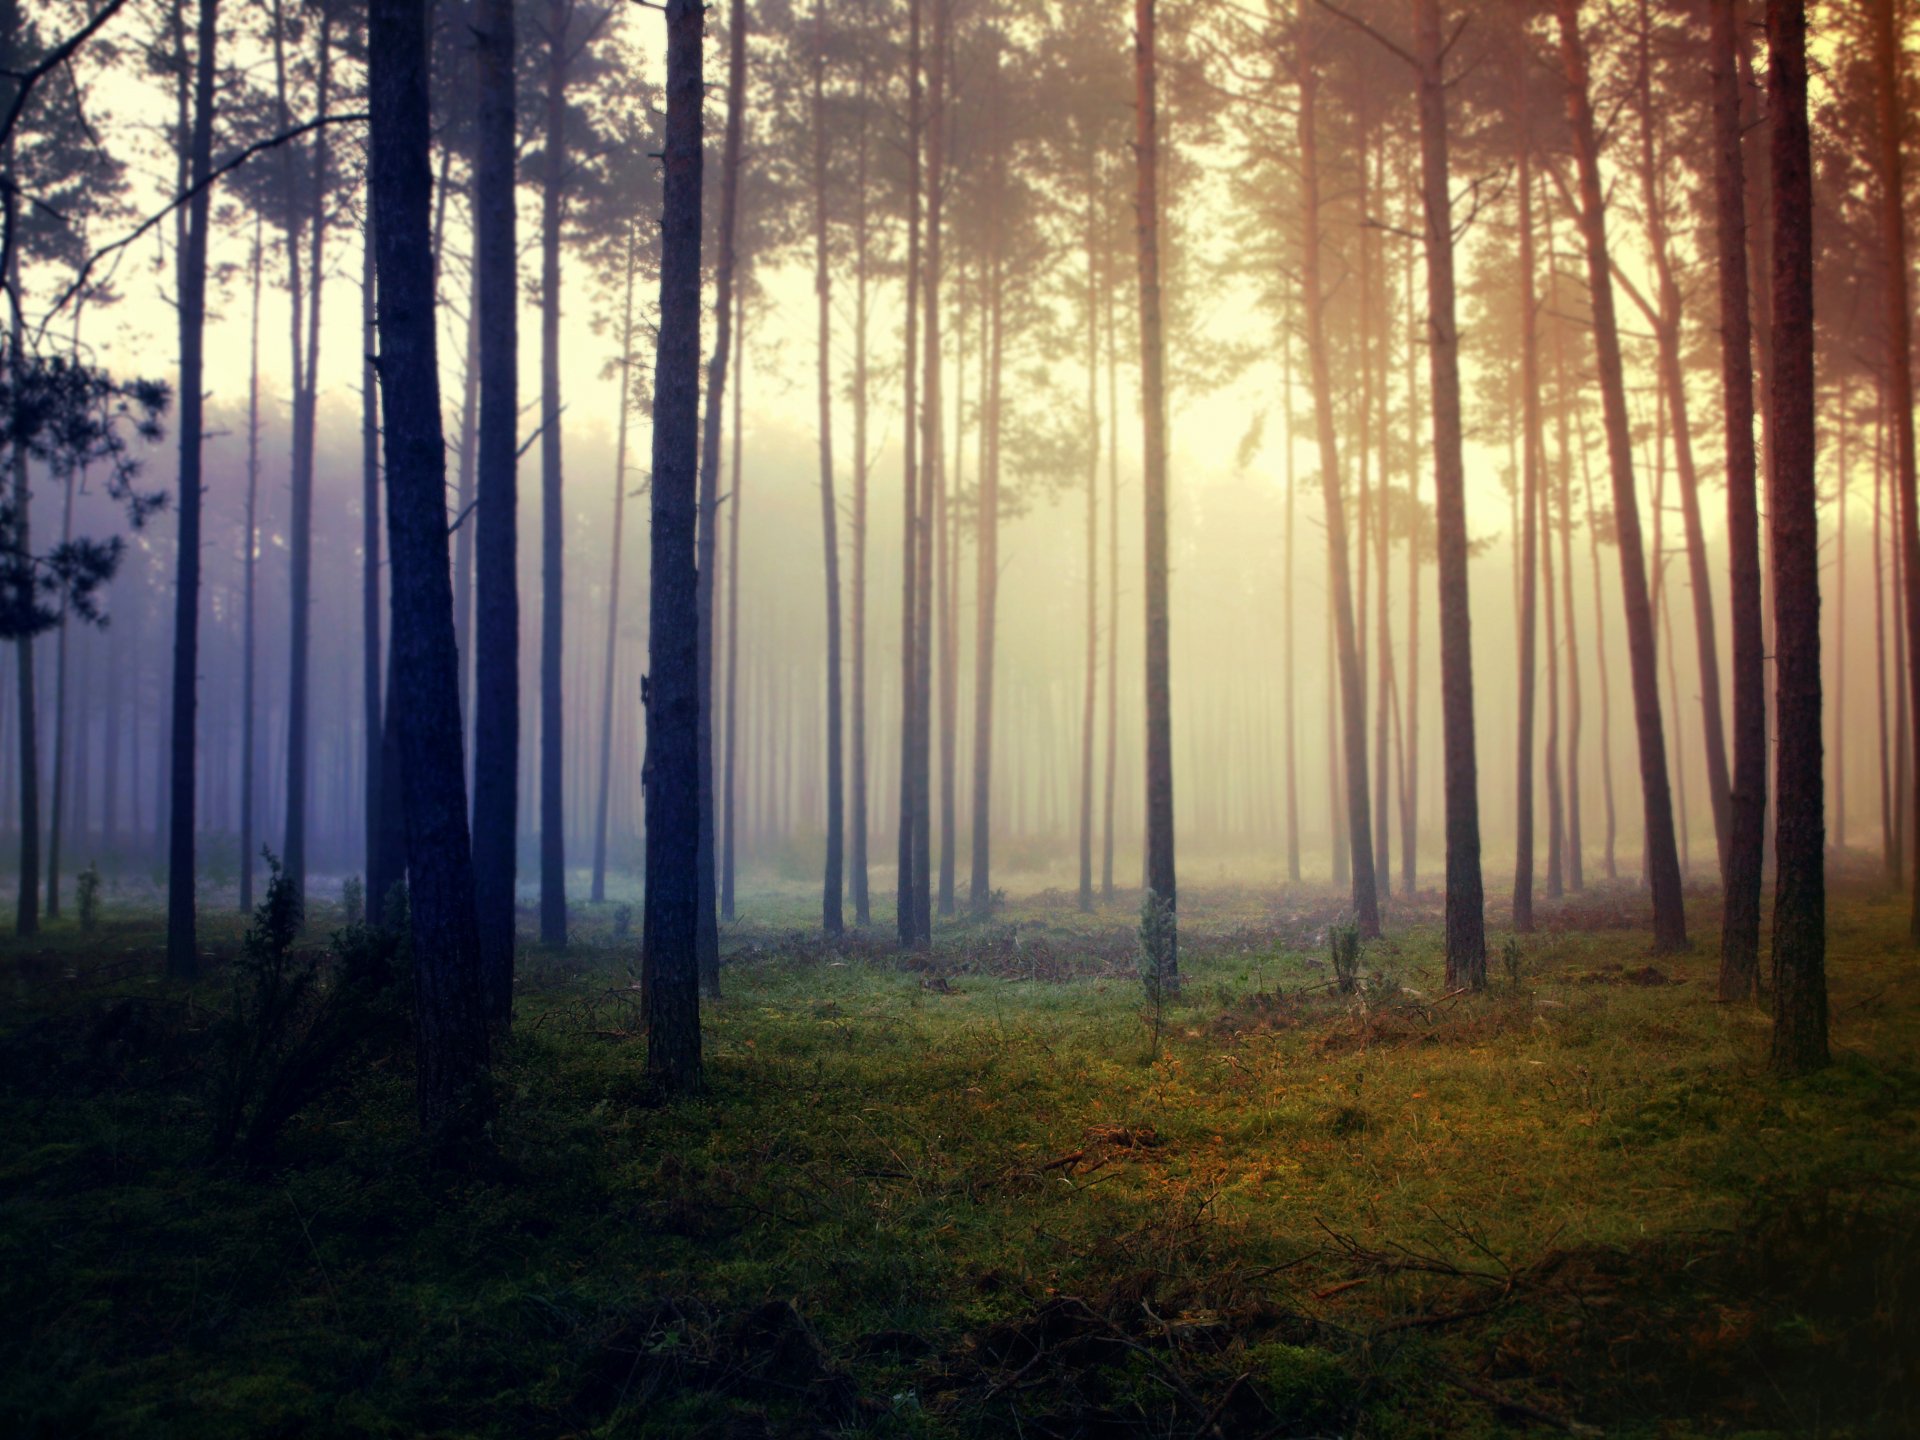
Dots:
pixel 496 682
pixel 183 960
pixel 1663 858
pixel 1161 892
pixel 449 1020
pixel 832 887
pixel 1352 699
pixel 1747 796
pixel 670 969
pixel 1799 899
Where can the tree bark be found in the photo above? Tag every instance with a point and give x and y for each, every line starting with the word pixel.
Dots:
pixel 183 961
pixel 553 839
pixel 1289 695
pixel 449 1024
pixel 930 486
pixel 733 614
pixel 1530 511
pixel 832 887
pixel 1092 681
pixel 1153 407
pixel 1353 729
pixel 707 932
pixel 249 559
pixel 496 632
pixel 610 658
pixel 1663 860
pixel 1799 897
pixel 671 971
pixel 905 922
pixel 1465 906
pixel 370 673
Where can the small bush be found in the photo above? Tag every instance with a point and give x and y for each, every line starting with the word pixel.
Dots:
pixel 87 896
pixel 622 921
pixel 353 900
pixel 1159 960
pixel 1510 960
pixel 293 1023
pixel 1345 942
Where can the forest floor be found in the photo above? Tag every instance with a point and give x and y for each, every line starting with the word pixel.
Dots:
pixel 959 1194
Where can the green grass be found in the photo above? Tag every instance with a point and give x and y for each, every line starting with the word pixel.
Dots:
pixel 955 1195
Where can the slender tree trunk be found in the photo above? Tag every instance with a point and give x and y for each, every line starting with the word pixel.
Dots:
pixel 1416 536
pixel 1550 750
pixel 609 661
pixel 1799 897
pixel 672 768
pixel 833 883
pixel 930 486
pixel 449 1023
pixel 496 634
pixel 1113 571
pixel 733 612
pixel 1092 683
pixel 463 543
pixel 1465 908
pixel 1899 364
pixel 183 961
pixel 1563 456
pixel 858 807
pixel 1840 633
pixel 553 837
pixel 1153 407
pixel 1289 696
pixel 904 903
pixel 1352 699
pixel 249 559
pixel 1887 842
pixel 950 546
pixel 1663 860
pixel 1530 511
pixel 372 737
pixel 306 345
pixel 57 798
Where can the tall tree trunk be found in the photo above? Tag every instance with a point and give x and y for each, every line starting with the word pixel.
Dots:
pixel 1465 907
pixel 1092 682
pixel 496 626
pixel 1563 458
pixel 463 544
pixel 1113 571
pixel 733 613
pixel 1289 696
pixel 310 211
pixel 832 887
pixel 1550 748
pixel 857 803
pixel 372 737
pixel 183 961
pixel 609 660
pixel 1840 630
pixel 930 486
pixel 904 903
pixel 1887 859
pixel 951 547
pixel 1600 659
pixel 553 540
pixel 707 932
pixel 671 971
pixel 1416 535
pixel 1799 897
pixel 1899 364
pixel 1530 511
pixel 57 798
pixel 449 1025
pixel 249 560
pixel 1153 408
pixel 1663 860
pixel 1346 648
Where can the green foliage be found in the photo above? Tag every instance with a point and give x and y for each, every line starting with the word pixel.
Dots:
pixel 1158 977
pixel 1511 962
pixel 353 900
pixel 292 1023
pixel 87 897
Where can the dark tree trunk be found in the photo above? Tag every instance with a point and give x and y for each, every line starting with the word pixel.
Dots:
pixel 496 678
pixel 309 211
pixel 930 486
pixel 248 711
pixel 1600 661
pixel 463 543
pixel 832 886
pixel 1113 570
pixel 733 614
pixel 609 667
pixel 1153 407
pixel 1887 847
pixel 671 971
pixel 1899 365
pixel 1530 510
pixel 372 736
pixel 1800 894
pixel 1353 728
pixel 183 961
pixel 1092 682
pixel 449 1024
pixel 553 540
pixel 1563 458
pixel 858 807
pixel 904 905
pixel 707 932
pixel 1662 856
pixel 1465 907
pixel 1416 534
pixel 56 809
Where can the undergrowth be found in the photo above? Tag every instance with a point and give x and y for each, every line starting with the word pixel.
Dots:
pixel 960 1194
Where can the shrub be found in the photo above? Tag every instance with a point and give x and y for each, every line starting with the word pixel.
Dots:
pixel 294 1023
pixel 353 900
pixel 1159 960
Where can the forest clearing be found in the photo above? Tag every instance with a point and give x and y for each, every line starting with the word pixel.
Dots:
pixel 952 1193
